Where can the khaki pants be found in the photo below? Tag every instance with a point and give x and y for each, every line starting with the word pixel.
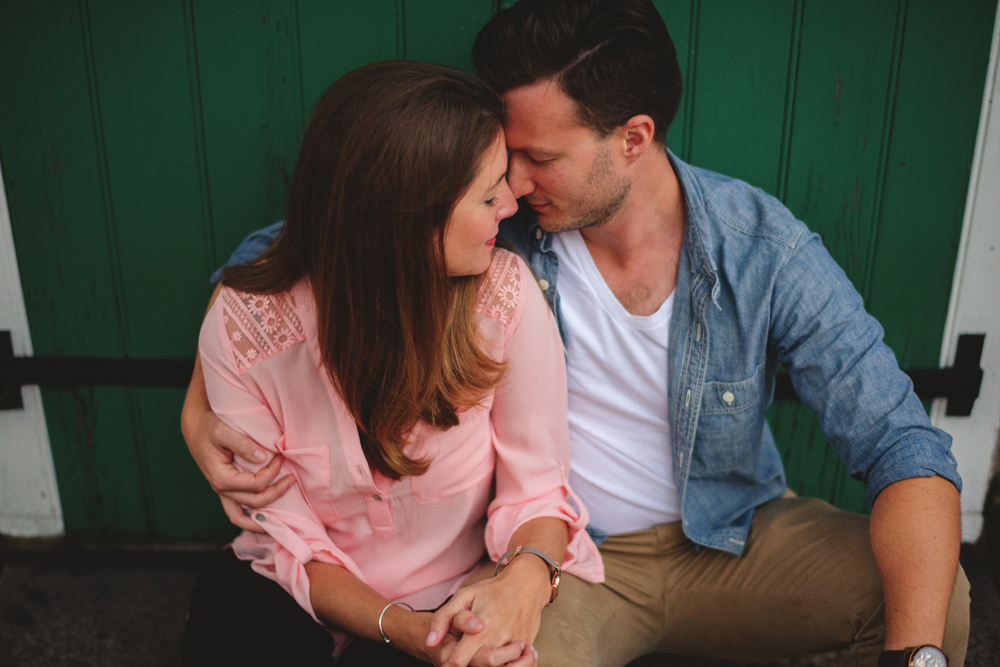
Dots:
pixel 806 583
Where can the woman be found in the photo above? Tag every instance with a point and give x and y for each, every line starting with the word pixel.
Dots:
pixel 401 365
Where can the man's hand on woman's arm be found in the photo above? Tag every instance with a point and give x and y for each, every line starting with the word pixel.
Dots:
pixel 213 444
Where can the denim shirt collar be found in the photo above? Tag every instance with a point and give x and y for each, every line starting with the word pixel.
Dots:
pixel 698 240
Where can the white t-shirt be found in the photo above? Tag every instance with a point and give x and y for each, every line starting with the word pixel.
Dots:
pixel 616 367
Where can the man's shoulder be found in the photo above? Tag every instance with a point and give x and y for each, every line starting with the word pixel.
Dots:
pixel 735 207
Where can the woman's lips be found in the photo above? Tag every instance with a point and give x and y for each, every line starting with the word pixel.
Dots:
pixel 492 241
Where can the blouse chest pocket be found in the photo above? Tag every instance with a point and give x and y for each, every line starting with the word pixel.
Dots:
pixel 311 468
pixel 461 457
pixel 730 424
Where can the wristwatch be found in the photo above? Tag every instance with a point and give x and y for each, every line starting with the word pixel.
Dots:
pixel 918 656
pixel 554 570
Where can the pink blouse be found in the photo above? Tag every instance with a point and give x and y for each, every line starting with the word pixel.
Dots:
pixel 417 538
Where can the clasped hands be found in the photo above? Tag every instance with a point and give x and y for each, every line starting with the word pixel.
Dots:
pixel 492 622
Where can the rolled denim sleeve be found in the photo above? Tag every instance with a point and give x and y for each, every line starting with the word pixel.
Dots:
pixel 252 247
pixel 842 369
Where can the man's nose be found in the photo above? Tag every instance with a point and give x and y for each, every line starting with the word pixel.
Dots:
pixel 519 176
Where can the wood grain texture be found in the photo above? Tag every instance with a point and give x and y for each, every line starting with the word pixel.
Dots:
pixel 739 89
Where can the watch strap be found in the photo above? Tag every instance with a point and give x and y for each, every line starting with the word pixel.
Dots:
pixel 555 571
pixel 894 658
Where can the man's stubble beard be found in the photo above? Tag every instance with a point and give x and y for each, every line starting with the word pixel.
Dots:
pixel 605 197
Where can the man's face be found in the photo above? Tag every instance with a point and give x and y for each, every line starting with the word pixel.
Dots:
pixel 563 169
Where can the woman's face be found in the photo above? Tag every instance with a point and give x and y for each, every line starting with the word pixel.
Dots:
pixel 471 230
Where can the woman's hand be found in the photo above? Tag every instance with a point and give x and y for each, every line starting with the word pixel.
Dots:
pixel 410 631
pixel 213 444
pixel 509 606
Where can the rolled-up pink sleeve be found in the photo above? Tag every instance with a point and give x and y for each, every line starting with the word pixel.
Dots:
pixel 295 534
pixel 531 436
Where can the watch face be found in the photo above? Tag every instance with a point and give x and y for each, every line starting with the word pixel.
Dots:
pixel 928 656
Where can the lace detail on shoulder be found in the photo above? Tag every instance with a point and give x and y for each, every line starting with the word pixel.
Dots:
pixel 501 290
pixel 259 325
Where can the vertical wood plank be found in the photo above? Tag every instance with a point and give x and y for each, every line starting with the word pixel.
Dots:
pixel 740 77
pixel 152 146
pixel 841 93
pixel 336 37
pixel 945 52
pixel 248 71
pixel 151 114
pixel 442 31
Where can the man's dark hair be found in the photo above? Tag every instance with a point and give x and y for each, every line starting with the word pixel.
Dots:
pixel 614 58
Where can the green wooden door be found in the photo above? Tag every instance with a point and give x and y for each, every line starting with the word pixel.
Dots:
pixel 141 140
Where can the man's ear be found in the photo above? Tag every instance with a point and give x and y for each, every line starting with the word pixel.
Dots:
pixel 637 133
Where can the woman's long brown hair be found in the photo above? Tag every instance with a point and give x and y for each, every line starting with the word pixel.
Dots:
pixel 391 148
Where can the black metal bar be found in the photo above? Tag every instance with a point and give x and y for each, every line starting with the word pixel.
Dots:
pixel 16 372
pixel 10 393
pixel 960 384
pixel 95 371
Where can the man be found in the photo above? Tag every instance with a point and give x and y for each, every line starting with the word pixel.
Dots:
pixel 679 293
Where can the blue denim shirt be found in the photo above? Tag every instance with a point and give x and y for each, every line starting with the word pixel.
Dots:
pixel 756 290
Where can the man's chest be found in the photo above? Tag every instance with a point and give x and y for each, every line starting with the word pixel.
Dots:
pixel 641 291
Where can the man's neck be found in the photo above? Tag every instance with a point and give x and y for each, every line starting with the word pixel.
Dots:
pixel 637 251
pixel 652 214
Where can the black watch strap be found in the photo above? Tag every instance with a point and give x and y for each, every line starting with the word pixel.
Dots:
pixel 894 658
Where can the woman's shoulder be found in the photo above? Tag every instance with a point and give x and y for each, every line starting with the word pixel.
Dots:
pixel 259 326
pixel 502 286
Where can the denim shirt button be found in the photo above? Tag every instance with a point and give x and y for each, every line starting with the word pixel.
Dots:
pixel 538 234
pixel 728 397
pixel 544 284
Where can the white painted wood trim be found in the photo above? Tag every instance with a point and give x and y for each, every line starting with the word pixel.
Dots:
pixel 975 308
pixel 29 497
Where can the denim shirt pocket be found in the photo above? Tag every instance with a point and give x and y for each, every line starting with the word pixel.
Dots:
pixel 730 423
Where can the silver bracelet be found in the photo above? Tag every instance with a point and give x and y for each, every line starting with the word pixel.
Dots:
pixel 401 604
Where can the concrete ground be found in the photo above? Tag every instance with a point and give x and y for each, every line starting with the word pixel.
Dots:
pixel 110 607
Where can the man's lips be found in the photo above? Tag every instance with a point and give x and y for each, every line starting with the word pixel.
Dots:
pixel 538 207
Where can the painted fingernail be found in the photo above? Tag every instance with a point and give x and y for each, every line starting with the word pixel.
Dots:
pixel 259 456
pixel 535 651
pixel 475 624
pixel 432 637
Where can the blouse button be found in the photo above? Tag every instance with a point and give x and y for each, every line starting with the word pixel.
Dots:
pixel 260 517
pixel 544 284
pixel 728 397
pixel 376 496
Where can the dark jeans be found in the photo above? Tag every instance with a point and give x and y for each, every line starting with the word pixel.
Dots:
pixel 239 617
